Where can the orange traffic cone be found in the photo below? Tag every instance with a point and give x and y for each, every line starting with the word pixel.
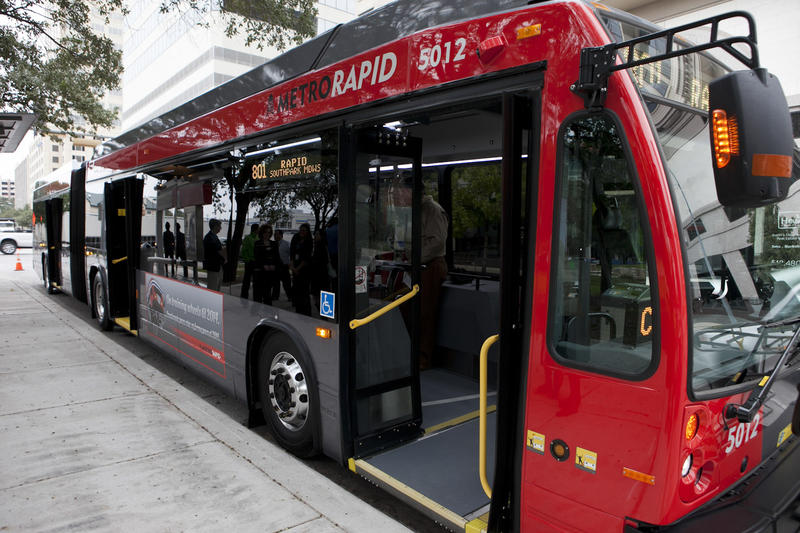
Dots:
pixel 19 265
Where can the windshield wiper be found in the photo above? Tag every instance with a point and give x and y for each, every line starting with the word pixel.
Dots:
pixel 747 411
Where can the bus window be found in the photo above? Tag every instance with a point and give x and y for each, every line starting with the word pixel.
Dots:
pixel 289 189
pixel 603 314
pixel 476 219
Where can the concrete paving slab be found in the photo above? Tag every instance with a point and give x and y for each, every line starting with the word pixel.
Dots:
pixel 200 488
pixel 227 477
pixel 54 387
pixel 319 525
pixel 54 442
pixel 42 355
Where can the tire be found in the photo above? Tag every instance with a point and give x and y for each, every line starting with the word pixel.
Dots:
pixel 8 246
pixel 100 303
pixel 288 395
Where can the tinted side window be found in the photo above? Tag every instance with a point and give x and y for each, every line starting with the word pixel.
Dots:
pixel 602 314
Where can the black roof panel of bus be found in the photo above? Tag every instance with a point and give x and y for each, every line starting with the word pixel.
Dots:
pixel 379 26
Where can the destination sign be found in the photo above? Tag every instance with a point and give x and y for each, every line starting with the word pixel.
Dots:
pixel 293 165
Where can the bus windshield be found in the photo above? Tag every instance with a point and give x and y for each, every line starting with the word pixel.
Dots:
pixel 743 264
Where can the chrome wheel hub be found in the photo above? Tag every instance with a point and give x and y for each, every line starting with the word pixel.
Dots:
pixel 98 302
pixel 288 391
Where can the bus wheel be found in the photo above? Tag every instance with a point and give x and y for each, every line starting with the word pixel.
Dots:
pixel 100 302
pixel 285 389
pixel 8 247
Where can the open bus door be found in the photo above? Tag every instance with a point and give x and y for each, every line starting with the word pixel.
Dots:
pixel 386 253
pixel 123 201
pixel 436 466
pixel 53 209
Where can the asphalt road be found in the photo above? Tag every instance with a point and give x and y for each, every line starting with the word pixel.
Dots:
pixel 357 486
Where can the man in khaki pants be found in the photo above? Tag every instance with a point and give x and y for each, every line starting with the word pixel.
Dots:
pixel 434 241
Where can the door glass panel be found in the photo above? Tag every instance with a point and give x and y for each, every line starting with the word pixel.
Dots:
pixel 383 253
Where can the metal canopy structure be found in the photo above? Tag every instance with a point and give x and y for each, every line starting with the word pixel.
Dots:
pixel 13 127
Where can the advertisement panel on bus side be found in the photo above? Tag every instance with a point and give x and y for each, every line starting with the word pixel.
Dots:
pixel 187 319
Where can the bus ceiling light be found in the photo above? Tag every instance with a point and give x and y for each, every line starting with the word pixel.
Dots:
pixel 687 466
pixel 284 146
pixel 726 137
pixel 691 426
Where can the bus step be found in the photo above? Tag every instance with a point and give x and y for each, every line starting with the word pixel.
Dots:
pixel 125 323
pixel 436 474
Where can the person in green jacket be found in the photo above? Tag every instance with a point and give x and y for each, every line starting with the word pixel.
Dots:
pixel 247 256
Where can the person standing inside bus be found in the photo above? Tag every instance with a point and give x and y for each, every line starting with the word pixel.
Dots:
pixel 169 245
pixel 282 275
pixel 180 248
pixel 247 256
pixel 320 264
pixel 265 263
pixel 434 272
pixel 213 255
pixel 302 249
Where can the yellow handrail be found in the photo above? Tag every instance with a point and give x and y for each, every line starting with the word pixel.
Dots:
pixel 120 260
pixel 484 362
pixel 358 322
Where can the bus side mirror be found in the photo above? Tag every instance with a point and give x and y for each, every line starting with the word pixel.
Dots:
pixel 751 138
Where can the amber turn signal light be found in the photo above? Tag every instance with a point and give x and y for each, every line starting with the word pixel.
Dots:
pixel 324 333
pixel 691 426
pixel 726 137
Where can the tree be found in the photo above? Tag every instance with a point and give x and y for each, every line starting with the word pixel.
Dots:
pixel 55 65
pixel 22 217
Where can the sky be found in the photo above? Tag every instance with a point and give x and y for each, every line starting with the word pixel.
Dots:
pixel 9 162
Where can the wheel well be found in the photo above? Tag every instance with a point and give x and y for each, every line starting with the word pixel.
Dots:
pixel 257 338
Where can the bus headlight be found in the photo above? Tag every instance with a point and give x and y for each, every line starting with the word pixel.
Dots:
pixel 687 466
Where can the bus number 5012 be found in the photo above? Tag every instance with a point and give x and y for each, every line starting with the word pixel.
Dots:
pixel 742 433
pixel 441 54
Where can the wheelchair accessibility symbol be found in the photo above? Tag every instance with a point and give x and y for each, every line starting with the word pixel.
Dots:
pixel 327 304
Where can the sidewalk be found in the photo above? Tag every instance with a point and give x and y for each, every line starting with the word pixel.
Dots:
pixel 93 438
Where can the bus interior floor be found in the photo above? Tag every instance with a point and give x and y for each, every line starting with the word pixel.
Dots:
pixel 449 399
pixel 442 465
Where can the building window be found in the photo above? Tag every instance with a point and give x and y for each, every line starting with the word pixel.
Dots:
pixel 55 159
pixel 78 158
pixel 55 148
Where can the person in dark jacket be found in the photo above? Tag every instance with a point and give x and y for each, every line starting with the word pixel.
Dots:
pixel 265 265
pixel 320 280
pixel 168 241
pixel 302 250
pixel 213 255
pixel 180 248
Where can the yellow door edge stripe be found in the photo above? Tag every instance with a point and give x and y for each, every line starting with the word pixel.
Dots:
pixel 125 323
pixel 476 526
pixel 458 420
pixel 410 493
pixel 351 464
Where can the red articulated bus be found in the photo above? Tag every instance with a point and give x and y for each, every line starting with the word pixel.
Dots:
pixel 538 265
